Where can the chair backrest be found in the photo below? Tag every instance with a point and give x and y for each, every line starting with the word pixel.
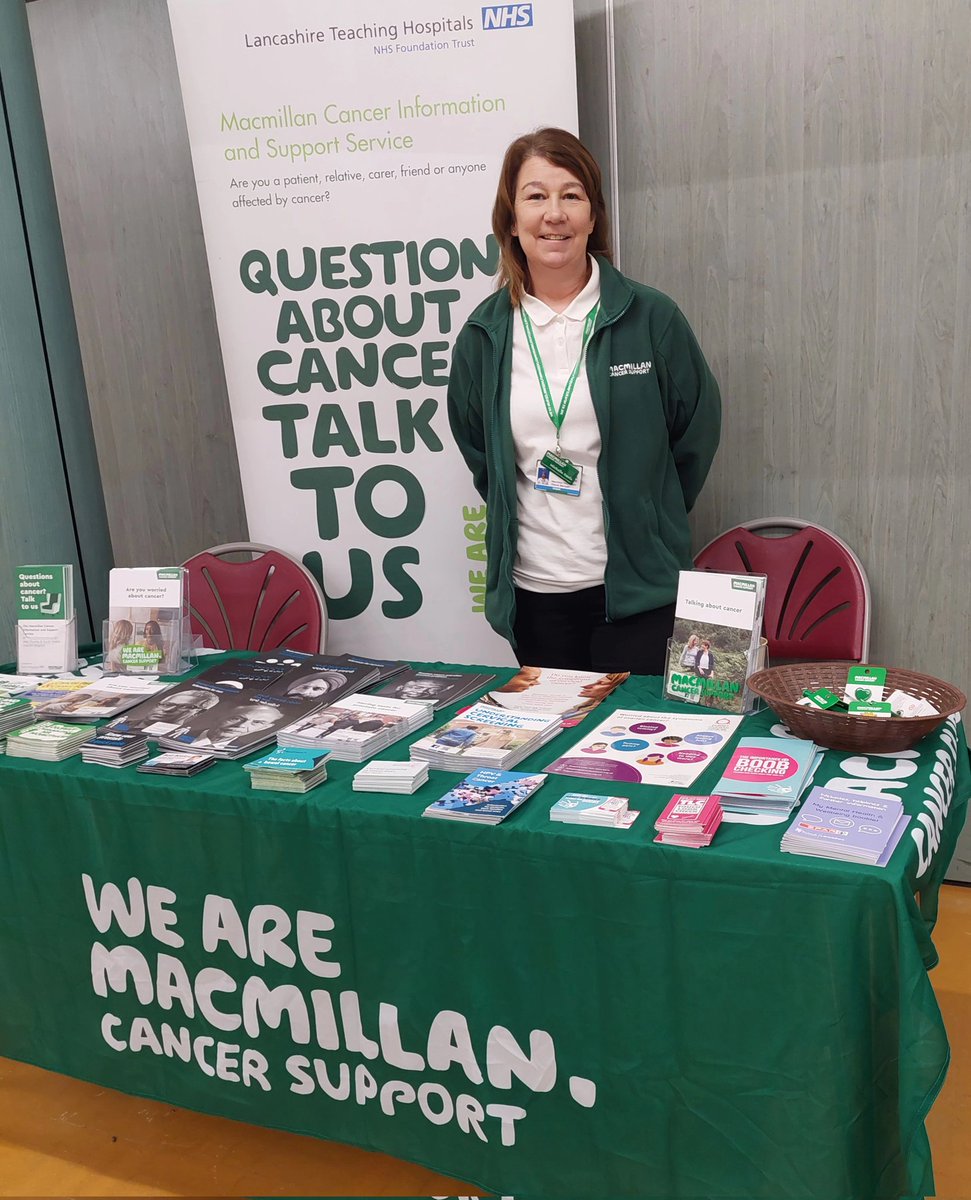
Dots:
pixel 817 597
pixel 266 602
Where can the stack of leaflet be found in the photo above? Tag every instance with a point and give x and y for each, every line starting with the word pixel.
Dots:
pixel 112 749
pixel 767 775
pixel 178 763
pixel 847 826
pixel 55 689
pixel 689 821
pixel 485 736
pixel 49 741
pixel 385 668
pixel 572 694
pixel 238 705
pixel 16 685
pixel 15 713
pixel 106 698
pixel 486 796
pixel 401 778
pixel 442 688
pixel 288 771
pixel 580 808
pixel 358 726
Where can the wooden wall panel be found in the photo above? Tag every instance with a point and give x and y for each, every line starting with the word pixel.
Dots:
pixel 796 175
pixel 136 257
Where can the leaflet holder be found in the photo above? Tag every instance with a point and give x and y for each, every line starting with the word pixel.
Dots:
pixel 150 641
pixel 694 687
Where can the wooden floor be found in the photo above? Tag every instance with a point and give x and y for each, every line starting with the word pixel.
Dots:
pixel 59 1137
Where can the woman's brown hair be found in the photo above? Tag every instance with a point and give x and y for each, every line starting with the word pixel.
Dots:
pixel 563 150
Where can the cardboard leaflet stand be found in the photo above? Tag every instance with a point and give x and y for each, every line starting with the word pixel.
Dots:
pixel 147 631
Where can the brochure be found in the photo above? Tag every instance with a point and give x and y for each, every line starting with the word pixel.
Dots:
pixel 177 763
pixel 357 726
pixel 238 705
pixel 44 593
pixel 767 774
pixel 571 694
pixel 444 687
pixel 288 771
pixel 106 698
pixel 47 647
pixel 485 736
pixel 689 821
pixel 633 746
pixel 51 741
pixel 144 631
pixel 581 808
pixel 487 796
pixel 400 778
pixel 715 641
pixel 848 826
pixel 109 749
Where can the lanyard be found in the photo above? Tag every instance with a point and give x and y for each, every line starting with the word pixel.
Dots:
pixel 557 415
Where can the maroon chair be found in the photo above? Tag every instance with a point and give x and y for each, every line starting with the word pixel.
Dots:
pixel 817 597
pixel 264 602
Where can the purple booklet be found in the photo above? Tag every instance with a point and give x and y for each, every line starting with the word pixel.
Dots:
pixel 850 826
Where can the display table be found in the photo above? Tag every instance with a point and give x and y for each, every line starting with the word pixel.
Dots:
pixel 534 1008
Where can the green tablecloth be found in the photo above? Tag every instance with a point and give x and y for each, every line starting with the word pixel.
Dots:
pixel 534 1008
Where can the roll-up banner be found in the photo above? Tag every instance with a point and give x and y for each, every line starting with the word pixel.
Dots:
pixel 346 158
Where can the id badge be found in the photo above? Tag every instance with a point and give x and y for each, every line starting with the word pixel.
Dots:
pixel 560 466
pixel 546 481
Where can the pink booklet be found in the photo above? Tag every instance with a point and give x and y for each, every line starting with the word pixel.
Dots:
pixel 689 820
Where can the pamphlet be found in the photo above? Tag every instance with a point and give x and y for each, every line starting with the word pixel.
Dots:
pixel 47 647
pixel 144 631
pixel 849 826
pixel 767 775
pixel 45 593
pixel 665 748
pixel 571 694
pixel 715 641
pixel 487 796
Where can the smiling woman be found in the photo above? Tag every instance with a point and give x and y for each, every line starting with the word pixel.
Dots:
pixel 589 393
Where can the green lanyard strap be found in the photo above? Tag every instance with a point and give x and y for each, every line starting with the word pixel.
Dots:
pixel 557 415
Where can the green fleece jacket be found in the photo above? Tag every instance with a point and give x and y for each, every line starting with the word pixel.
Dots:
pixel 659 413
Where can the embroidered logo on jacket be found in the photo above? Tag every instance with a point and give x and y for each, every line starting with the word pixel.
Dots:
pixel 634 368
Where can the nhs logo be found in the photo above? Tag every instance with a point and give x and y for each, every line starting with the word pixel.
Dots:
pixel 507 16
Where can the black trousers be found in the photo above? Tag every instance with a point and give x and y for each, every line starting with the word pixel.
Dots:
pixel 571 630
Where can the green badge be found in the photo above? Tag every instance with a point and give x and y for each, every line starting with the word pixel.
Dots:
pixel 559 466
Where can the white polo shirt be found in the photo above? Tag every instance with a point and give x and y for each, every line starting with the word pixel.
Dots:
pixel 562 547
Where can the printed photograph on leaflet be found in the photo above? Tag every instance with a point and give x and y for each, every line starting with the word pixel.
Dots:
pixel 714 643
pixel 572 694
pixel 443 687
pixel 145 620
pixel 482 731
pixel 242 702
pixel 486 795
pixel 354 719
pixel 106 698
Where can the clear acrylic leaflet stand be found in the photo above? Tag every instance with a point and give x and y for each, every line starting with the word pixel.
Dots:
pixel 157 645
pixel 47 647
pixel 683 683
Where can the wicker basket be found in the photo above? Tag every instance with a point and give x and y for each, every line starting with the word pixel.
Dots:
pixel 781 687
